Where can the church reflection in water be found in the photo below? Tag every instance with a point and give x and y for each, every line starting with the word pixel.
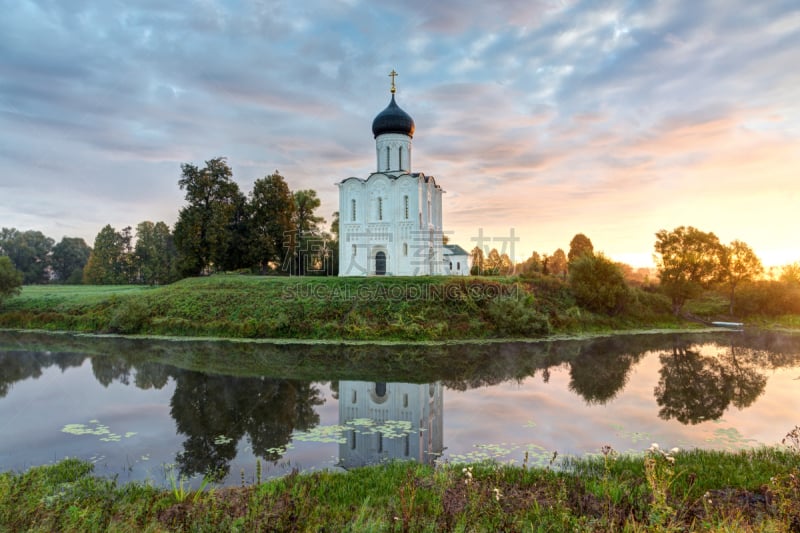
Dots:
pixel 390 421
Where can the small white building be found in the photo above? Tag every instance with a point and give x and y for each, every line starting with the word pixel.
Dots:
pixel 391 222
pixel 456 260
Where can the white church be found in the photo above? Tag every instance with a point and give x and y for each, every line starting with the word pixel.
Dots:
pixel 391 222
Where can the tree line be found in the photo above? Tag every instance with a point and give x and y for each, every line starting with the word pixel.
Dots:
pixel 272 229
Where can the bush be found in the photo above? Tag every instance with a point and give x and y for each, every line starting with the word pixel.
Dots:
pixel 598 284
pixel 517 316
pixel 10 279
pixel 771 298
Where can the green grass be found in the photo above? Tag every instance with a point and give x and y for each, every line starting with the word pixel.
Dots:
pixel 386 308
pixel 755 490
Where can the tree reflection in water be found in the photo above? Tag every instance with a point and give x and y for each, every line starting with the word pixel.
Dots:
pixel 693 387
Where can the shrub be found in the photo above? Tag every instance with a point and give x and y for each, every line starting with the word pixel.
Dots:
pixel 10 278
pixel 517 316
pixel 598 284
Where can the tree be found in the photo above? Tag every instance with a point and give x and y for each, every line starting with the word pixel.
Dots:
pixel 272 212
pixel 493 263
pixel 791 273
pixel 203 232
pixel 477 261
pixel 154 255
pixel 29 251
pixel 598 283
pixel 557 264
pixel 578 246
pixel 307 228
pixel 688 260
pixel 10 278
pixel 68 260
pixel 109 261
pixel 738 263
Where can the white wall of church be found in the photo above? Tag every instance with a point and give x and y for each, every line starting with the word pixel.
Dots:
pixel 393 153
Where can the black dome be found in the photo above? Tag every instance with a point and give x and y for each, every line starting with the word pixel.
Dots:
pixel 393 120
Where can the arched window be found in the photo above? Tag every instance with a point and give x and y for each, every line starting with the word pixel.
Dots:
pixel 380 208
pixel 405 249
pixel 353 209
pixel 458 266
pixel 388 158
pixel 400 157
pixel 405 207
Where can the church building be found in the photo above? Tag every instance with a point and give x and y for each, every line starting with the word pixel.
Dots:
pixel 391 222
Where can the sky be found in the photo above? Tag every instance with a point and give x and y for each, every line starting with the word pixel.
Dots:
pixel 540 119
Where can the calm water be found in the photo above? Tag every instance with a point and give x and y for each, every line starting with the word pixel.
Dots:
pixel 141 408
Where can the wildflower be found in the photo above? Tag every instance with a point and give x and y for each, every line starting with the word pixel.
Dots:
pixel 675 450
pixel 654 447
pixel 496 494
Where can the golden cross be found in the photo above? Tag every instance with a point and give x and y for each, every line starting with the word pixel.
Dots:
pixel 392 75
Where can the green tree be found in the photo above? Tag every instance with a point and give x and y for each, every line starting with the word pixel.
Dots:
pixel 154 255
pixel 598 283
pixel 687 260
pixel 29 251
pixel 203 232
pixel 477 261
pixel 578 246
pixel 557 264
pixel 109 261
pixel 272 221
pixel 737 263
pixel 68 260
pixel 531 265
pixel 493 263
pixel 791 273
pixel 306 225
pixel 10 278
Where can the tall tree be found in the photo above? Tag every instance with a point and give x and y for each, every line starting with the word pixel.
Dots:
pixel 791 273
pixel 557 264
pixel 10 279
pixel 687 260
pixel 272 220
pixel 203 232
pixel 68 259
pixel 493 264
pixel 738 263
pixel 108 262
pixel 307 227
pixel 29 251
pixel 532 265
pixel 477 260
pixel 578 246
pixel 154 254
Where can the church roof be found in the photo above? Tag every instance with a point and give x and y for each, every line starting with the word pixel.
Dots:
pixel 393 120
pixel 453 249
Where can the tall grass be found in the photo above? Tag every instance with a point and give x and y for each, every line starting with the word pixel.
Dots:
pixel 755 490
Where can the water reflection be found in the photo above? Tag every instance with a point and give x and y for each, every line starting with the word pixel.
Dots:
pixel 376 411
pixel 694 386
pixel 233 396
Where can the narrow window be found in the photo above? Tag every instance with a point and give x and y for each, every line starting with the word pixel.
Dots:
pixel 353 440
pixel 388 162
pixel 380 208
pixel 353 209
pixel 354 253
pixel 400 157
pixel 458 266
pixel 405 249
pixel 451 265
pixel 355 396
pixel 380 442
pixel 405 400
pixel 405 207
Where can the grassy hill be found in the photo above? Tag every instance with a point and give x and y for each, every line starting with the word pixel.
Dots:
pixel 386 308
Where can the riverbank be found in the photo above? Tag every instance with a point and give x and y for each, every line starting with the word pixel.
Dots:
pixel 698 490
pixel 403 309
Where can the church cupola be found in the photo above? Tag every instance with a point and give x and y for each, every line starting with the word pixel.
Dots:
pixel 393 129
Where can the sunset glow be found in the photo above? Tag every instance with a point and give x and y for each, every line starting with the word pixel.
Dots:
pixel 548 118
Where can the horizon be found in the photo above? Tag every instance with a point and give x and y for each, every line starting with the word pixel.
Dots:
pixel 549 118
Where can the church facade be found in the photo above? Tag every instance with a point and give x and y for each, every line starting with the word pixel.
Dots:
pixel 390 223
